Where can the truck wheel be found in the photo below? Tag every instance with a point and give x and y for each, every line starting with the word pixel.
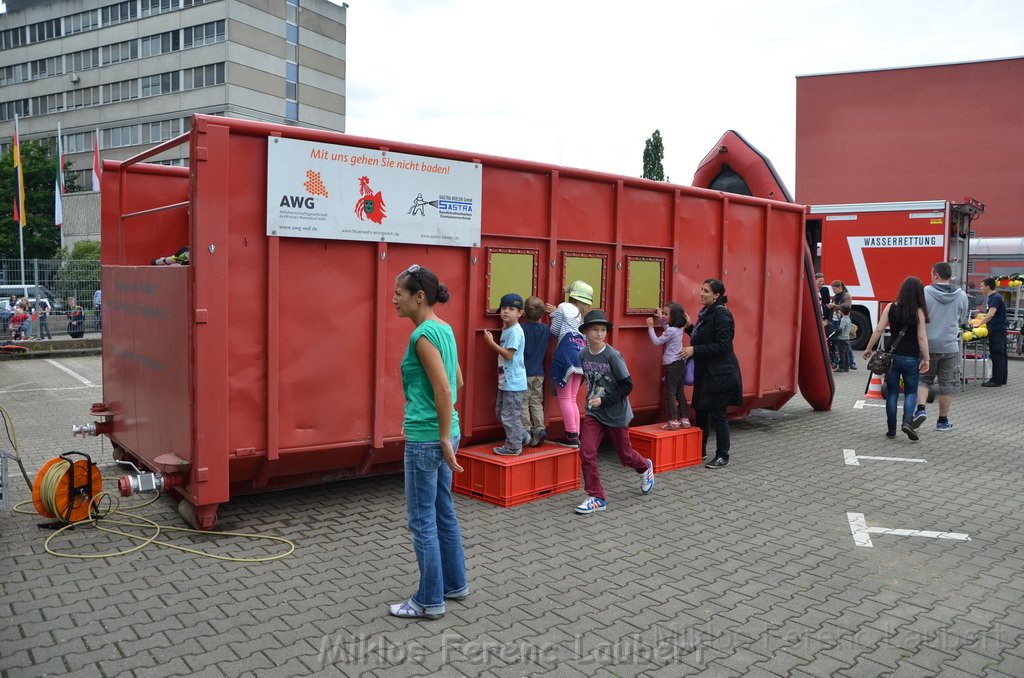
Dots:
pixel 863 323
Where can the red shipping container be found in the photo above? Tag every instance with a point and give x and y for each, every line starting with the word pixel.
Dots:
pixel 508 481
pixel 667 449
pixel 273 362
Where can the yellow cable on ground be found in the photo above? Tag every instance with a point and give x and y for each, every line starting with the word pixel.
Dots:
pixel 48 497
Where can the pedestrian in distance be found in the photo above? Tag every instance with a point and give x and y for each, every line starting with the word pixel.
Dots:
pixel 76 319
pixel 538 336
pixel 717 383
pixel 431 379
pixel 995 319
pixel 607 412
pixel 840 300
pixel 825 296
pixel 906 318
pixel 673 319
pixel 29 325
pixel 948 310
pixel 842 340
pixel 44 319
pixel 566 372
pixel 508 405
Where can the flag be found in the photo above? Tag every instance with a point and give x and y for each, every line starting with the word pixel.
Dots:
pixel 19 200
pixel 96 171
pixel 58 186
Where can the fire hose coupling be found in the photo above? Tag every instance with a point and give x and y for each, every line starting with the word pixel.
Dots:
pixel 146 482
pixel 93 428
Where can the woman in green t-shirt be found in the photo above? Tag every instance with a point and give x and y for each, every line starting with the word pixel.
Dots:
pixel 431 378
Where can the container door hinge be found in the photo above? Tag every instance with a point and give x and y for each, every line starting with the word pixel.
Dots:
pixel 202 315
pixel 245 452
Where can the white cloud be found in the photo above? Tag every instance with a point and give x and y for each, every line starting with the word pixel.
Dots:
pixel 585 83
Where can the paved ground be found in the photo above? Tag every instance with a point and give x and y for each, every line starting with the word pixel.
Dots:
pixel 749 570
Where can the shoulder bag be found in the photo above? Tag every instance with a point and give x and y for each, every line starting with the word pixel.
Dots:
pixel 881 361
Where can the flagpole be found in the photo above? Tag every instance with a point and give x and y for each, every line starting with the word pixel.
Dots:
pixel 21 199
pixel 59 187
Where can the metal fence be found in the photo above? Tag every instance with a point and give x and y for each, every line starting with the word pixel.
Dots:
pixel 55 280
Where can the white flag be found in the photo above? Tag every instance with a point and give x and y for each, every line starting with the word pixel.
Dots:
pixel 96 171
pixel 58 186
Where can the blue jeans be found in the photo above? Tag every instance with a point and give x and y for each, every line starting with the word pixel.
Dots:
pixel 435 529
pixel 906 367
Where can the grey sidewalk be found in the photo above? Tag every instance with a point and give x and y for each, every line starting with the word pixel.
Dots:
pixel 747 570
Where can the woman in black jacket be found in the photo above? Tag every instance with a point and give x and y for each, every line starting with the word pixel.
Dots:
pixel 716 372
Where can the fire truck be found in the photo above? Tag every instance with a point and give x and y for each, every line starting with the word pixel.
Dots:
pixel 873 247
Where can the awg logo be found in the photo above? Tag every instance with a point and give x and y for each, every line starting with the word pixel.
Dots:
pixel 314 185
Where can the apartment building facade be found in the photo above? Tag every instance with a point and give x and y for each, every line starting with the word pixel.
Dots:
pixel 134 71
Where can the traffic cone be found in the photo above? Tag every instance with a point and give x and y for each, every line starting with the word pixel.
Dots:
pixel 874 391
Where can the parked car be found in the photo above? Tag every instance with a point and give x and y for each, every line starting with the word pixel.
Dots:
pixel 34 293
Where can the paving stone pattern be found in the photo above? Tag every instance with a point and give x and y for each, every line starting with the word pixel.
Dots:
pixel 749 570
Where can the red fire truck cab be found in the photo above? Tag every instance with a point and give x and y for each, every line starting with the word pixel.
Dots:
pixel 873 247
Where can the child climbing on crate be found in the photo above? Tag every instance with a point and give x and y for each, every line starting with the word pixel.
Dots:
pixel 537 338
pixel 511 375
pixel 607 412
pixel 673 318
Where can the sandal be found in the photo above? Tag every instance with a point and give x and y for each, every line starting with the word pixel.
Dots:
pixel 407 611
pixel 684 423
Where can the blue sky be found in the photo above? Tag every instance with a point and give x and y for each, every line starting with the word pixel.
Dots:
pixel 585 83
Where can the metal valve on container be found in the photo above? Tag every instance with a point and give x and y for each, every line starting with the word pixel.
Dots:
pixel 145 482
pixel 93 428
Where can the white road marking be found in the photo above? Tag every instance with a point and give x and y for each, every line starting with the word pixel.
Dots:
pixel 862 533
pixel 74 374
pixel 853 459
pixel 55 388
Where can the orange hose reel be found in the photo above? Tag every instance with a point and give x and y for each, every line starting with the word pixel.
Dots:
pixel 67 494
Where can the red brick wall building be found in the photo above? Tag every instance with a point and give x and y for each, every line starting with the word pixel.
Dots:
pixel 921 133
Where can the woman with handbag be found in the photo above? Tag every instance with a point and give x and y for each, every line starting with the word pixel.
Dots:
pixel 716 374
pixel 907 356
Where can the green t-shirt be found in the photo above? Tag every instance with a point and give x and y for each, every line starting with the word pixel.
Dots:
pixel 420 410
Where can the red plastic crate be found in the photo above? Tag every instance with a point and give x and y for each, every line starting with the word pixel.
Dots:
pixel 667 449
pixel 508 481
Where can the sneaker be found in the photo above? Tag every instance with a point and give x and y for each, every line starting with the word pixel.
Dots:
pixel 891 435
pixel 684 423
pixel 943 426
pixel 919 416
pixel 647 481
pixel 569 440
pixel 590 505
pixel 672 425
pixel 539 436
pixel 909 430
pixel 505 452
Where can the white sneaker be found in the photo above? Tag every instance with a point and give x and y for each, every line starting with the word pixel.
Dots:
pixel 590 505
pixel 647 481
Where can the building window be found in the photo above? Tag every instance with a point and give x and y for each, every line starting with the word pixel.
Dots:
pixel 84 60
pixel 8 109
pixel 162 83
pixel 204 76
pixel 12 37
pixel 119 13
pixel 203 34
pixel 44 30
pixel 121 91
pixel 161 43
pixel 85 97
pixel 120 51
pixel 151 7
pixel 291 110
pixel 116 137
pixel 83 21
pixel 75 143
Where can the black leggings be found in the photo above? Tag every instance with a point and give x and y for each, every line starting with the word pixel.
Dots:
pixel 675 396
pixel 704 419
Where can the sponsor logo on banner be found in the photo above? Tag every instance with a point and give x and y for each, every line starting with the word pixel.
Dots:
pixel 317 190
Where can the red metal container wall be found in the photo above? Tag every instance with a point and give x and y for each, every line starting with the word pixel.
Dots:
pixel 294 346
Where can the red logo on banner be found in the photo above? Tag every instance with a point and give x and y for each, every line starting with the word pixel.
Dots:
pixel 370 204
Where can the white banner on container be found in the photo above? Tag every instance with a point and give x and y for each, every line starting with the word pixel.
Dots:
pixel 317 190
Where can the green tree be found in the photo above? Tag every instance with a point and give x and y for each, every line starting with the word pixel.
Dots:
pixel 42 237
pixel 654 152
pixel 79 274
